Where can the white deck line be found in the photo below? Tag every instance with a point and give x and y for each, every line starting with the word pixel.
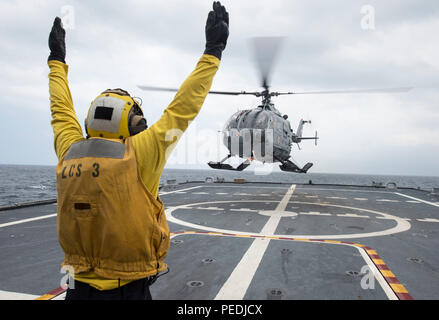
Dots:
pixel 219 185
pixel 417 199
pixel 301 188
pixel 9 295
pixel 62 296
pixel 55 214
pixel 383 283
pixel 428 220
pixel 238 282
pixel 179 190
pixel 347 190
pixel 27 220
pixel 401 224
pixel 378 276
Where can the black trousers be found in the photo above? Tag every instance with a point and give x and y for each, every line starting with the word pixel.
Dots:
pixel 135 290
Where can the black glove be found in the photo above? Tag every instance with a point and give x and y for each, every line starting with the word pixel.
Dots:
pixel 57 43
pixel 217 30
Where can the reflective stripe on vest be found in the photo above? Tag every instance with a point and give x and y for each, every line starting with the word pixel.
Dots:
pixel 98 148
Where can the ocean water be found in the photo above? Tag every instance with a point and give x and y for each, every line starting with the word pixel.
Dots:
pixel 23 183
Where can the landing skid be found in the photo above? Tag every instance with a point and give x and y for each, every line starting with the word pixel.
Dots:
pixel 289 166
pixel 224 166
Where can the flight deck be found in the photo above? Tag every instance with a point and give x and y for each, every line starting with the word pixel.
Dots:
pixel 258 241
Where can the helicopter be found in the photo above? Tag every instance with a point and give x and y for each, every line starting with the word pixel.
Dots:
pixel 262 133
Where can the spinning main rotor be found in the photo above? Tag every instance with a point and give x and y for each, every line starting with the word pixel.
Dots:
pixel 266 50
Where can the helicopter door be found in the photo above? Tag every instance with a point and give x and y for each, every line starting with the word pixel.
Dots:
pixel 277 131
pixel 287 130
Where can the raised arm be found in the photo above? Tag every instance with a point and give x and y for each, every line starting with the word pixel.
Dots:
pixel 66 127
pixel 154 145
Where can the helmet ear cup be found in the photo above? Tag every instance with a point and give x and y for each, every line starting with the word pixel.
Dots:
pixel 142 122
pixel 140 125
pixel 85 126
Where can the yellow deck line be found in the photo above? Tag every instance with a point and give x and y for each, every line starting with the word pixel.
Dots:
pixel 46 297
pixel 398 288
pixel 387 273
pixel 378 261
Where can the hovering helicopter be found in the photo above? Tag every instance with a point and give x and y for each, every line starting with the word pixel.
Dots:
pixel 263 133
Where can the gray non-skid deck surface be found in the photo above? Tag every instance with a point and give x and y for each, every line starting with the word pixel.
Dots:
pixel 200 264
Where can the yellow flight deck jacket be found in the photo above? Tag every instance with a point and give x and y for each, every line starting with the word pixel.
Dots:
pixel 148 149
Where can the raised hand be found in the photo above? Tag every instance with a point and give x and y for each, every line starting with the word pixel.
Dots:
pixel 217 30
pixel 57 43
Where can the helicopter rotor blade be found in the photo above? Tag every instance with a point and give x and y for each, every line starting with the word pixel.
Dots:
pixel 377 90
pixel 233 93
pixel 265 51
pixel 236 93
pixel 275 94
pixel 150 88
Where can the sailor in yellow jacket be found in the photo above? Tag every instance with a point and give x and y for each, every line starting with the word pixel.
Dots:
pixel 111 223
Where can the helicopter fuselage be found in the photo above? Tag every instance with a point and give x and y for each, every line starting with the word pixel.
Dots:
pixel 261 134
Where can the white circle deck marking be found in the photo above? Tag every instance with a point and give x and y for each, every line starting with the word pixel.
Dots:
pixel 401 224
pixel 277 213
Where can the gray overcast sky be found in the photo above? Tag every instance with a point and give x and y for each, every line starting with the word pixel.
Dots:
pixel 126 43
